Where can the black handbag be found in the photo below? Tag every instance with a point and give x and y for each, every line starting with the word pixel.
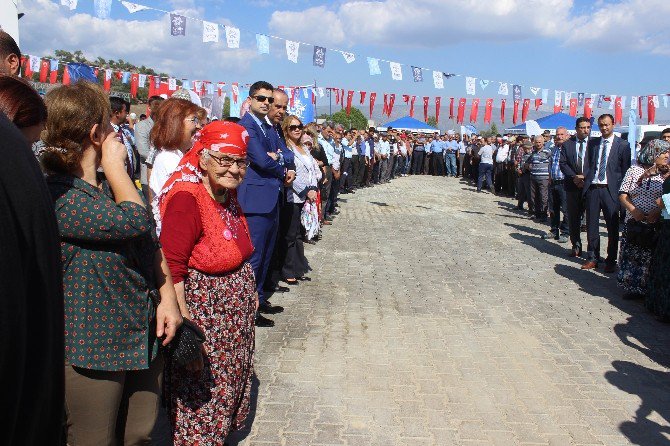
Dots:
pixel 187 343
pixel 641 234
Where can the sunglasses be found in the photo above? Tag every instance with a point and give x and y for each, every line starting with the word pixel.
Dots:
pixel 261 98
pixel 295 127
pixel 242 163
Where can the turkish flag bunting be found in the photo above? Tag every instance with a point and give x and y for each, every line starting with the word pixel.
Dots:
pixel 27 72
pixel 425 108
pixel 588 108
pixel 461 111
pixel 451 108
pixel 488 110
pixel 362 97
pixel 66 75
pixel 651 110
pixel 385 111
pixel 391 102
pixel 53 76
pixel 134 83
pixel 573 107
pixel 44 70
pixel 96 71
pixel 474 110
pixel 219 88
pixel 337 95
pixel 618 110
pixel 235 90
pixel 524 110
pixel 107 82
pixel 438 102
pixel 350 97
pixel 639 106
pixel 411 106
pixel 515 115
pixel 373 96
pixel 292 97
pixel 502 110
pixel 119 75
pixel 538 102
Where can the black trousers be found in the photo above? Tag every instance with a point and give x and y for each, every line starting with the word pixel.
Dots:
pixel 499 177
pixel 575 204
pixel 347 173
pixel 355 167
pixel 438 164
pixel 599 199
pixel 292 252
pixel 362 168
pixel 417 162
pixel 559 226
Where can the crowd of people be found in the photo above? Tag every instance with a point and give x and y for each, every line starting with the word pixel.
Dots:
pixel 154 246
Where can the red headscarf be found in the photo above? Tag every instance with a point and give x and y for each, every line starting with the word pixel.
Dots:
pixel 218 136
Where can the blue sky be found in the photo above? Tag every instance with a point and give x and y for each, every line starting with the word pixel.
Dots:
pixel 604 47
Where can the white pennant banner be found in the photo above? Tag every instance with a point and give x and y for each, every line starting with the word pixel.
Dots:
pixel 172 84
pixel 72 4
pixel 142 80
pixel 232 37
pixel 470 85
pixel 348 57
pixel 633 102
pixel 292 50
pixel 210 32
pixel 133 7
pixel 503 89
pixel 438 79
pixel 396 71
pixel 612 101
pixel 535 90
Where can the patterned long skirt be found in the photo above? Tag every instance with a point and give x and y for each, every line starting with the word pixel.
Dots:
pixel 207 405
pixel 658 295
pixel 633 266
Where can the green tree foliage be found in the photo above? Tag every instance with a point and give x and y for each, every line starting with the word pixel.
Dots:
pixel 432 121
pixel 492 131
pixel 356 119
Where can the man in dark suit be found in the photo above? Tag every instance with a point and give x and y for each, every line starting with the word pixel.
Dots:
pixel 260 191
pixel 573 165
pixel 608 161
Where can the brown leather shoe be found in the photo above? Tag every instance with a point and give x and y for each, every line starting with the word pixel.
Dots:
pixel 610 268
pixel 590 265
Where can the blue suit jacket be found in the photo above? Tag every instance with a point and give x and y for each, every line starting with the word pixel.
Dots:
pixel 259 192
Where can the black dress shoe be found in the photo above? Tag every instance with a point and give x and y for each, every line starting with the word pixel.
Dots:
pixel 576 252
pixel 305 278
pixel 268 308
pixel 262 321
pixel 277 289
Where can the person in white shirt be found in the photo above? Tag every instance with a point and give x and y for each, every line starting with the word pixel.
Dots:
pixel 499 167
pixel 486 165
pixel 175 126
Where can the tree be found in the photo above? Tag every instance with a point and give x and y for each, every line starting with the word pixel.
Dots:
pixel 356 119
pixel 492 131
pixel 432 121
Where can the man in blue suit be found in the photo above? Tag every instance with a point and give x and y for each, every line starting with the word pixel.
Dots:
pixel 608 161
pixel 259 194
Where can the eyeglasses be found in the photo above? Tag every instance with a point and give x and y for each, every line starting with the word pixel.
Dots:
pixel 242 163
pixel 194 120
pixel 295 127
pixel 261 98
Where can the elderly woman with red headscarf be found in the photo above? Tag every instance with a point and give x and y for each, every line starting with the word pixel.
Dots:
pixel 207 245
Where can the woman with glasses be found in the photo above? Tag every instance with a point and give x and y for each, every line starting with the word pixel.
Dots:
pixel 175 125
pixel 206 241
pixel 303 188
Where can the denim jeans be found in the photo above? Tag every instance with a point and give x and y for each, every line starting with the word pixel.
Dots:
pixel 485 170
pixel 450 162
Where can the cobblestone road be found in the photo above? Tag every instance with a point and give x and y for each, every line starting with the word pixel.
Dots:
pixel 437 316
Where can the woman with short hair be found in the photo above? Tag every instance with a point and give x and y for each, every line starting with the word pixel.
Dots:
pixel 120 304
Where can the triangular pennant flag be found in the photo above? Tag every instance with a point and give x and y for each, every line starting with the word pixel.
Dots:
pixel 516 92
pixel 53 68
pixel 655 101
pixel 503 89
pixel 319 57
pixel 580 99
pixel 483 83
pixel 558 97
pixel 396 71
pixel 134 7
pixel 232 37
pixel 292 50
pixel 72 4
pixel 348 57
pixel 470 85
pixel 263 44
pixel 474 110
pixel 210 31
pixel 44 70
pixel 177 25
pixel 545 95
pixel 66 75
pixel 391 102
pixel 107 80
pixel 417 74
pixel 534 90
pixel 488 111
pixel 35 63
pixel 438 79
pixel 362 101
pixel 665 100
pixel 438 102
pixel 320 91
pixel 373 97
pixel 425 108
pixel 448 75
pixel 142 80
pixel 612 99
pixel 134 84
pixel 373 64
pixel 102 8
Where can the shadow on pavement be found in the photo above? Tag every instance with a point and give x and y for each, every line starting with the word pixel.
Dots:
pixel 238 437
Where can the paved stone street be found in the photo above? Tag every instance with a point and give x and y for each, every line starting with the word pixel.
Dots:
pixel 437 316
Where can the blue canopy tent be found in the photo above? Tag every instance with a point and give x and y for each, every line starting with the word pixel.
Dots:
pixel 550 122
pixel 411 124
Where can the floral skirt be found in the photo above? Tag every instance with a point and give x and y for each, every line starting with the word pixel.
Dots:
pixel 207 405
pixel 658 294
pixel 633 266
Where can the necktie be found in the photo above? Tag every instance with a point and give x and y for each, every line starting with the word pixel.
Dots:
pixel 602 167
pixel 580 158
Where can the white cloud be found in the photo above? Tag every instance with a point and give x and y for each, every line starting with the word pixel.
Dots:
pixel 312 23
pixel 635 25
pixel 47 27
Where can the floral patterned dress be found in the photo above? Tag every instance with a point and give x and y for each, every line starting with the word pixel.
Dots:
pixel 658 294
pixel 634 260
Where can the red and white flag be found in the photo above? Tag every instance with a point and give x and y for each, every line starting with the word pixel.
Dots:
pixel 461 111
pixel 488 111
pixel 524 110
pixel 474 110
pixel 373 97
pixel 438 102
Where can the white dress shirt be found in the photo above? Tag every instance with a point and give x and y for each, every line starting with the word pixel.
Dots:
pixel 610 141
pixel 165 164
